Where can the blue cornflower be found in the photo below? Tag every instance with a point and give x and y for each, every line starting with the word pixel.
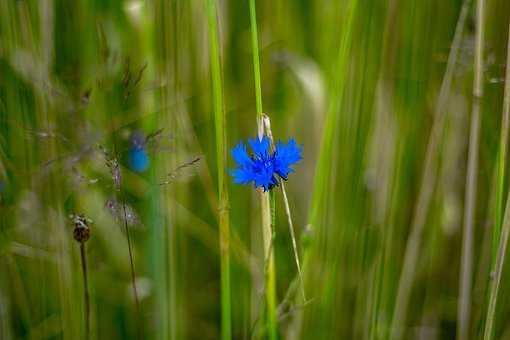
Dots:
pixel 138 159
pixel 263 165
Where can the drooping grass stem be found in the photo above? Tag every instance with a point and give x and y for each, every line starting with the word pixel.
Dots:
pixel 269 132
pixel 502 241
pixel 220 132
pixel 293 238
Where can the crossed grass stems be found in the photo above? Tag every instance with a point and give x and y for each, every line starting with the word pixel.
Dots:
pixel 277 314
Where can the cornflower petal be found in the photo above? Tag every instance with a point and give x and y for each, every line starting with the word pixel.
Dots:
pixel 241 156
pixel 259 146
pixel 242 176
pixel 285 155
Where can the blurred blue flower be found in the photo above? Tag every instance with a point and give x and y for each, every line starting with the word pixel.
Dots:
pixel 263 165
pixel 138 159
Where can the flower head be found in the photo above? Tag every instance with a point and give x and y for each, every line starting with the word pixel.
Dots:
pixel 138 158
pixel 262 166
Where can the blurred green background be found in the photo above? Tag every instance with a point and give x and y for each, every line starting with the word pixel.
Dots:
pixel 379 93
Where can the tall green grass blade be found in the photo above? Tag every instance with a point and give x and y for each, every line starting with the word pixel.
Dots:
pixel 427 184
pixel 220 134
pixel 256 60
pixel 267 200
pixel 503 240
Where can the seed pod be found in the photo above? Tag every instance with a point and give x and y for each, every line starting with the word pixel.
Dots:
pixel 81 232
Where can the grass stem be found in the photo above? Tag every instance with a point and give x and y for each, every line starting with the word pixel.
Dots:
pixel 112 163
pixel 268 210
pixel 132 267
pixel 465 280
pixel 293 238
pixel 427 183
pixel 86 299
pixel 501 249
pixel 266 199
pixel 269 132
pixel 256 60
pixel 220 132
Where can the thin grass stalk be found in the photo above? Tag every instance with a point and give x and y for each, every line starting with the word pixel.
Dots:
pixel 465 280
pixel 266 202
pixel 496 281
pixel 501 249
pixel 427 184
pixel 269 132
pixel 268 213
pixel 219 124
pixel 256 60
pixel 481 284
pixel 272 318
pixel 86 299
pixel 266 199
pixel 267 209
pixel 117 179
pixel 500 174
pixel 293 238
pixel 133 272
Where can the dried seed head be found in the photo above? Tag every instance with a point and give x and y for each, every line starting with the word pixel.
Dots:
pixel 112 164
pixel 81 232
pixel 181 170
pixel 123 212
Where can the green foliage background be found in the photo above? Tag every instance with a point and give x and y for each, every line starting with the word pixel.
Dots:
pixel 355 81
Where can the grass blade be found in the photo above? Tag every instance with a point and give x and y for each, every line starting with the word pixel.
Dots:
pixel 266 199
pixel 427 183
pixel 219 125
pixel 256 60
pixel 501 249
